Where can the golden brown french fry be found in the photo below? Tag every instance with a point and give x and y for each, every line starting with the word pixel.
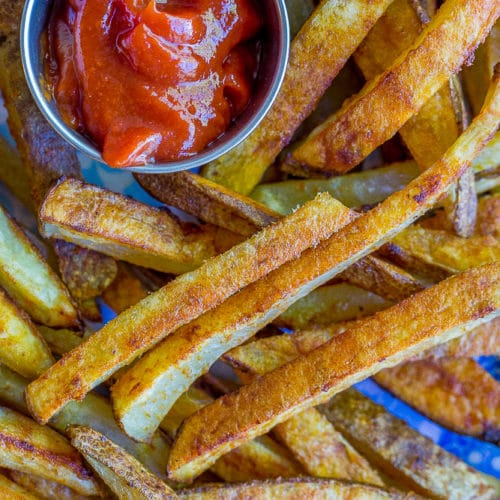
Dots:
pixel 30 447
pixel 126 229
pixel 420 322
pixel 243 314
pixel 331 304
pixel 312 53
pixel 488 159
pixel 387 101
pixel 457 393
pixel 477 76
pixel 29 280
pixel 208 201
pixel 179 302
pixel 43 488
pixel 488 217
pixel 21 347
pixel 409 458
pixel 293 489
pixel 9 490
pixel 134 478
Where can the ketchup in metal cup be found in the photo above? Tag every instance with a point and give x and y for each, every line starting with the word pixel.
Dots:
pixel 149 81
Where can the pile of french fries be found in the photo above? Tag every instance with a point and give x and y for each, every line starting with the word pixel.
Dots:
pixel 339 241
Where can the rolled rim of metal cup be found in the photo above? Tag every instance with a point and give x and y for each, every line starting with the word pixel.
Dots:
pixel 275 48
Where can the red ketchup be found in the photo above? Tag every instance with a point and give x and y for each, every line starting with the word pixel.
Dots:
pixel 148 81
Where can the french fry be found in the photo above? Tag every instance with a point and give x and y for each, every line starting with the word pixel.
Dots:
pixel 12 491
pixel 293 489
pixel 313 54
pixel 29 280
pixel 245 313
pixel 179 302
pixel 457 393
pixel 21 347
pixel 48 490
pixel 488 220
pixel 488 160
pixel 420 322
pixel 395 446
pixel 133 477
pixel 29 447
pixel 331 304
pixel 123 228
pixel 387 101
pixel 208 201
pixel 59 341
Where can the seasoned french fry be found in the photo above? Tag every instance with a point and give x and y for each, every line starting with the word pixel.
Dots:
pixel 331 304
pixel 134 478
pixel 406 456
pixel 208 201
pixel 313 54
pixel 12 491
pixel 189 353
pixel 179 302
pixel 488 159
pixel 387 101
pixel 60 341
pixel 21 347
pixel 123 228
pixel 29 280
pixel 293 489
pixel 29 447
pixel 379 341
pixel 488 220
pixel 457 393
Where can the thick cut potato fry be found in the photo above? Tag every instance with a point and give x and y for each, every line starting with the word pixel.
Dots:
pixel 126 229
pixel 138 481
pixel 21 347
pixel 177 303
pixel 208 201
pixel 457 393
pixel 406 456
pixel 420 322
pixel 59 341
pixel 488 220
pixel 12 491
pixel 29 280
pixel 29 447
pixel 386 102
pixel 293 489
pixel 331 304
pixel 312 53
pixel 246 312
pixel 489 160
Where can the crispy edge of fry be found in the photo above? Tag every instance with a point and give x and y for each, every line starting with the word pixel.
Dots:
pixel 209 201
pixel 457 393
pixel 390 99
pixel 310 53
pixel 92 444
pixel 293 488
pixel 29 280
pixel 386 440
pixel 182 300
pixel 9 490
pixel 379 341
pixel 30 447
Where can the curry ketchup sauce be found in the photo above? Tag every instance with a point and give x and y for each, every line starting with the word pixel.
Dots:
pixel 149 81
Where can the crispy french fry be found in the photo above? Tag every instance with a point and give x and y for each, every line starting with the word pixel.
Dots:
pixel 311 54
pixel 208 201
pixel 21 347
pixel 60 341
pixel 48 490
pixel 29 447
pixel 29 280
pixel 12 491
pixel 380 341
pixel 123 228
pixel 392 444
pixel 457 393
pixel 179 302
pixel 191 352
pixel 386 102
pixel 488 159
pixel 293 489
pixel 488 220
pixel 134 478
pixel 331 304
